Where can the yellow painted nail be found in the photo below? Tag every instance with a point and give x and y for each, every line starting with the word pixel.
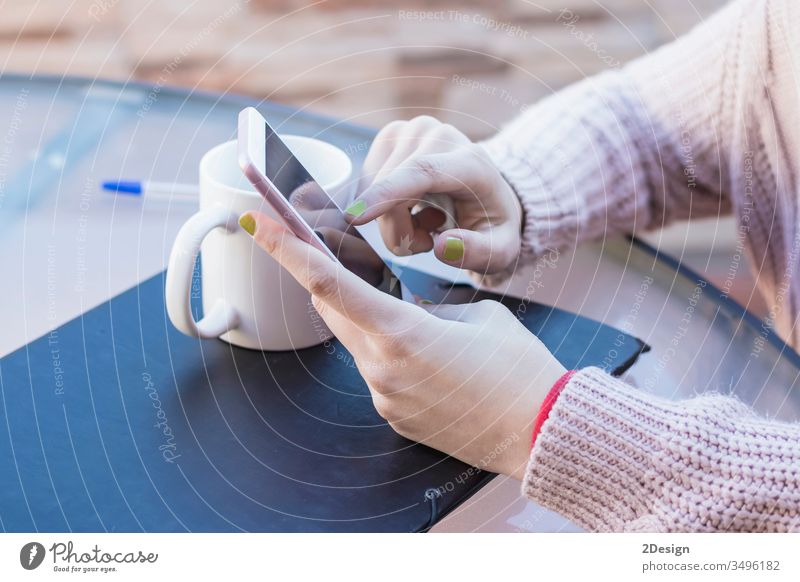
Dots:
pixel 248 223
pixel 357 208
pixel 453 249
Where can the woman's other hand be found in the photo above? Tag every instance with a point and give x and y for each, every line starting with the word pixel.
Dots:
pixel 410 159
pixel 467 380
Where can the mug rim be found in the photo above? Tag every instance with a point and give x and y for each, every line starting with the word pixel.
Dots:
pixel 335 150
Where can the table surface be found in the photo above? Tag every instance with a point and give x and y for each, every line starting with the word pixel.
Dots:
pixel 67 246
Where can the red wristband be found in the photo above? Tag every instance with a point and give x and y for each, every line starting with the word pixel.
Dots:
pixel 548 403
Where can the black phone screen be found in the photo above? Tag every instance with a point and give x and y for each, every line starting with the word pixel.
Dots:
pixel 321 212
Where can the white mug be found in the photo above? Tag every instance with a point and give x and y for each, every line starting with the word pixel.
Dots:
pixel 249 300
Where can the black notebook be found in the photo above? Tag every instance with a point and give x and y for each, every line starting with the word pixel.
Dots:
pixel 117 422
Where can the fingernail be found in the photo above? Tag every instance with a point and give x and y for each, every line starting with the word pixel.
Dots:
pixel 248 223
pixel 453 249
pixel 357 208
pixel 426 302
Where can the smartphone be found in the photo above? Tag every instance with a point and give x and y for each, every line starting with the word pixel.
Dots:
pixel 306 209
pixel 261 152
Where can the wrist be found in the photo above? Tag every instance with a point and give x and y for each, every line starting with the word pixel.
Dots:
pixel 546 380
pixel 549 400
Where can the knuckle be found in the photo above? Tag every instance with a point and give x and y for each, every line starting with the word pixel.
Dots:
pixel 398 345
pixel 425 121
pixel 390 345
pixel 451 137
pixel 426 166
pixel 380 382
pixel 388 411
pixel 485 304
pixel 445 131
pixel 399 427
pixel 391 129
pixel 322 285
pixel 270 243
pixel 492 308
pixel 382 406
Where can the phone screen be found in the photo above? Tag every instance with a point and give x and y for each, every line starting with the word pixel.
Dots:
pixel 321 211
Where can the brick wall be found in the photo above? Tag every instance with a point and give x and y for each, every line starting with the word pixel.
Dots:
pixel 474 63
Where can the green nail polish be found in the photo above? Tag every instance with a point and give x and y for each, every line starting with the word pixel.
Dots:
pixel 357 208
pixel 426 302
pixel 453 249
pixel 248 224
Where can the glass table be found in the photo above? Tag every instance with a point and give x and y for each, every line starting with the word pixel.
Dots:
pixel 67 246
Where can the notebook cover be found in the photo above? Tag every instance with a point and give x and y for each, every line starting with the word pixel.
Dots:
pixel 117 422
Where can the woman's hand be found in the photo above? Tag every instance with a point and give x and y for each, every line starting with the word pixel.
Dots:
pixel 467 380
pixel 410 159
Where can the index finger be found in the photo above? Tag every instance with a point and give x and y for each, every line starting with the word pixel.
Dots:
pixel 327 280
pixel 409 183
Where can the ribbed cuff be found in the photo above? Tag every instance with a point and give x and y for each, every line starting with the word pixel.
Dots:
pixel 613 458
pixel 541 213
pixel 593 459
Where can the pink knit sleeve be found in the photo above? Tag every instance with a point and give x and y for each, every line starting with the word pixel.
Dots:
pixel 636 148
pixel 613 458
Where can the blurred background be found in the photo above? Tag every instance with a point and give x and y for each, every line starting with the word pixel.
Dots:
pixel 473 63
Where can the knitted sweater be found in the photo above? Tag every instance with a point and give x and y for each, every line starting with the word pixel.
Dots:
pixel 706 125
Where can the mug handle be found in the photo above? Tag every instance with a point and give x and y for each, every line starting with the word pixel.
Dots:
pixel 222 317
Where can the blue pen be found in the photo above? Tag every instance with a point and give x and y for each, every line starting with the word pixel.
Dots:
pixel 154 190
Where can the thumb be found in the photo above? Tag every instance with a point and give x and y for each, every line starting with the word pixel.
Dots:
pixel 487 251
pixel 327 280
